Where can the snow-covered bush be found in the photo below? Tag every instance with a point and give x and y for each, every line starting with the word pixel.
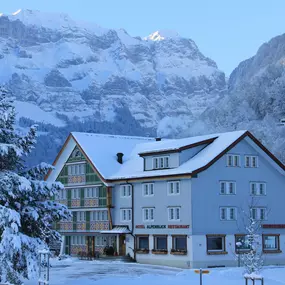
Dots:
pixel 27 209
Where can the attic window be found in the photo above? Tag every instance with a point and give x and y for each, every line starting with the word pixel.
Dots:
pixel 161 162
pixel 76 153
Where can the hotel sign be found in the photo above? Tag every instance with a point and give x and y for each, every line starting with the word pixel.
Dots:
pixel 162 227
pixel 273 226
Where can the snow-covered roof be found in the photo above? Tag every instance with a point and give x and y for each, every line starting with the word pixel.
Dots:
pixel 133 167
pixel 102 149
pixel 174 144
pixel 117 230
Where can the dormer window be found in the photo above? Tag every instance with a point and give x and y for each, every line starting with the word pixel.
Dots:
pixel 160 162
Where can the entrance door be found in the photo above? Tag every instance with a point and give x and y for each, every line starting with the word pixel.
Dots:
pixel 91 246
pixel 122 245
pixel 67 245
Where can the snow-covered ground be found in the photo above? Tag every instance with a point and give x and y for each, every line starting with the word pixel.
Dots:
pixel 73 271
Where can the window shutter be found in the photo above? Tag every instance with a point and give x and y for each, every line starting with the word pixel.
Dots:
pixel 253 188
pixel 74 219
pixel 151 189
pixel 223 188
pixel 87 221
pixel 68 191
pixel 177 187
pixel 177 213
pixel 223 213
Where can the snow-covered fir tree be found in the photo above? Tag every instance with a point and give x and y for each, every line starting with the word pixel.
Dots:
pixel 27 209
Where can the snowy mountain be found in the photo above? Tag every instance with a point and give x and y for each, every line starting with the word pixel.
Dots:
pixel 75 76
pixel 255 99
pixel 55 65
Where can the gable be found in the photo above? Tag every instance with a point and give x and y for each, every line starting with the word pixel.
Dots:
pixel 71 153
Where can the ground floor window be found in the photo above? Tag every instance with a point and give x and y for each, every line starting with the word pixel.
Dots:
pixel 270 242
pixel 100 241
pixel 143 242
pixel 216 243
pixel 160 242
pixel 242 243
pixel 179 243
pixel 78 240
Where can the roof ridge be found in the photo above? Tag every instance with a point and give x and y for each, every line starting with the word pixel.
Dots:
pixel 114 136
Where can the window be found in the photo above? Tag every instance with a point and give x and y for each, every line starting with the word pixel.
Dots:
pixel 174 188
pixel 78 240
pixel 126 215
pixel 99 216
pixel 148 189
pixel 160 162
pixel 61 195
pixel 100 241
pixel 228 213
pixel 258 213
pixel 257 188
pixel 251 161
pixel 242 243
pixel 81 216
pixel 215 243
pixel 179 243
pixel 126 191
pixel 174 214
pixel 143 242
pixel 77 169
pixel 270 243
pixel 75 193
pixel 227 187
pixel 91 192
pixel 148 214
pixel 160 242
pixel 233 160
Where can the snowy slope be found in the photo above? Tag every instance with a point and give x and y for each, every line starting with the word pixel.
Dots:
pixel 80 69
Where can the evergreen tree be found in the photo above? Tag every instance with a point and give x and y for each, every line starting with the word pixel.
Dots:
pixel 27 210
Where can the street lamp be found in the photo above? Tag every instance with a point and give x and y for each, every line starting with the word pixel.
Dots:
pixel 44 267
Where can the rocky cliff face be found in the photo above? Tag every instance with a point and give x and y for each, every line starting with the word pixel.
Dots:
pixel 64 69
pixel 255 100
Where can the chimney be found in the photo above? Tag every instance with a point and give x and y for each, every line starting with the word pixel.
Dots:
pixel 120 157
pixel 157 139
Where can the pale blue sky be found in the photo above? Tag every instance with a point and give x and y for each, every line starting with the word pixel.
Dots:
pixel 228 31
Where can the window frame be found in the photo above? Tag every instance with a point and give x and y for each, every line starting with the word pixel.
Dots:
pixel 237 249
pixel 148 187
pixel 250 157
pixel 232 156
pixel 175 208
pixel 227 187
pixel 258 213
pixel 155 237
pixel 148 210
pixel 174 183
pixel 128 190
pixel 215 251
pixel 80 216
pixel 137 243
pixel 75 193
pixel 277 242
pixel 228 213
pixel 174 248
pixel 257 188
pixel 128 213
pixel 156 162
